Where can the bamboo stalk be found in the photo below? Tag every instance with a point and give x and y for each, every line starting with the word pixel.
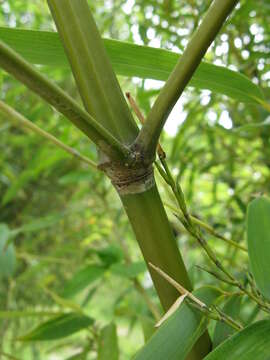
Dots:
pixel 92 70
pixel 153 233
pixel 142 204
pixel 158 246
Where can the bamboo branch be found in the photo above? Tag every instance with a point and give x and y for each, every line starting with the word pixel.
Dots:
pixel 208 228
pixel 22 121
pixel 213 312
pixel 177 286
pixel 139 114
pixel 194 230
pixel 60 100
pixel 207 31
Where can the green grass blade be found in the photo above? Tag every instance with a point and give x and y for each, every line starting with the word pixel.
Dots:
pixel 41 47
pixel 252 343
pixel 258 235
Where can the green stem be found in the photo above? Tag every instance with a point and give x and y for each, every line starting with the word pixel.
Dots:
pixel 154 234
pixel 92 70
pixel 143 207
pixel 187 222
pixel 22 121
pixel 182 73
pixel 208 228
pixel 54 95
pixel 158 245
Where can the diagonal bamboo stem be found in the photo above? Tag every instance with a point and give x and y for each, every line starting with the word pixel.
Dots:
pixel 92 70
pixel 207 31
pixel 54 95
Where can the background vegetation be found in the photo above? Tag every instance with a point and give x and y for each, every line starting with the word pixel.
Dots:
pixel 64 217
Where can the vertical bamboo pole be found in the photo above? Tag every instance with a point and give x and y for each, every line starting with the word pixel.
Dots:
pixel 142 202
pixel 156 240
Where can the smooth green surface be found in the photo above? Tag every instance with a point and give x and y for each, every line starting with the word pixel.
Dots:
pixel 108 345
pixel 258 235
pixel 177 335
pixel 45 48
pixel 91 68
pixel 58 327
pixel 158 245
pixel 157 242
pixel 7 255
pixel 82 279
pixel 222 330
pixel 252 343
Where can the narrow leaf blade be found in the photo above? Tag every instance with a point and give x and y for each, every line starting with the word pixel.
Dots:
pixel 82 279
pixel 251 343
pixel 42 47
pixel 7 253
pixel 222 330
pixel 58 327
pixel 176 336
pixel 107 344
pixel 258 235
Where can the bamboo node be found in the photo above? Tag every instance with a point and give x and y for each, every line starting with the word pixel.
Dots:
pixel 129 179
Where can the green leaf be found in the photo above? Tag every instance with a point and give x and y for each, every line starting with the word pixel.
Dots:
pixel 41 223
pixel 258 235
pixel 110 255
pixel 148 327
pixel 222 330
pixel 62 302
pixel 42 47
pixel 12 315
pixel 58 327
pixel 107 343
pixel 128 270
pixel 176 336
pixel 7 255
pixel 252 343
pixel 82 279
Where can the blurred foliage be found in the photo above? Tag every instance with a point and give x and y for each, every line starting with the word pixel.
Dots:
pixel 65 219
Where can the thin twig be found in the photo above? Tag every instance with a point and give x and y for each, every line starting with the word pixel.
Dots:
pixel 27 74
pixel 212 312
pixel 209 229
pixel 141 118
pixel 177 286
pixel 13 115
pixel 194 230
pixel 216 275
